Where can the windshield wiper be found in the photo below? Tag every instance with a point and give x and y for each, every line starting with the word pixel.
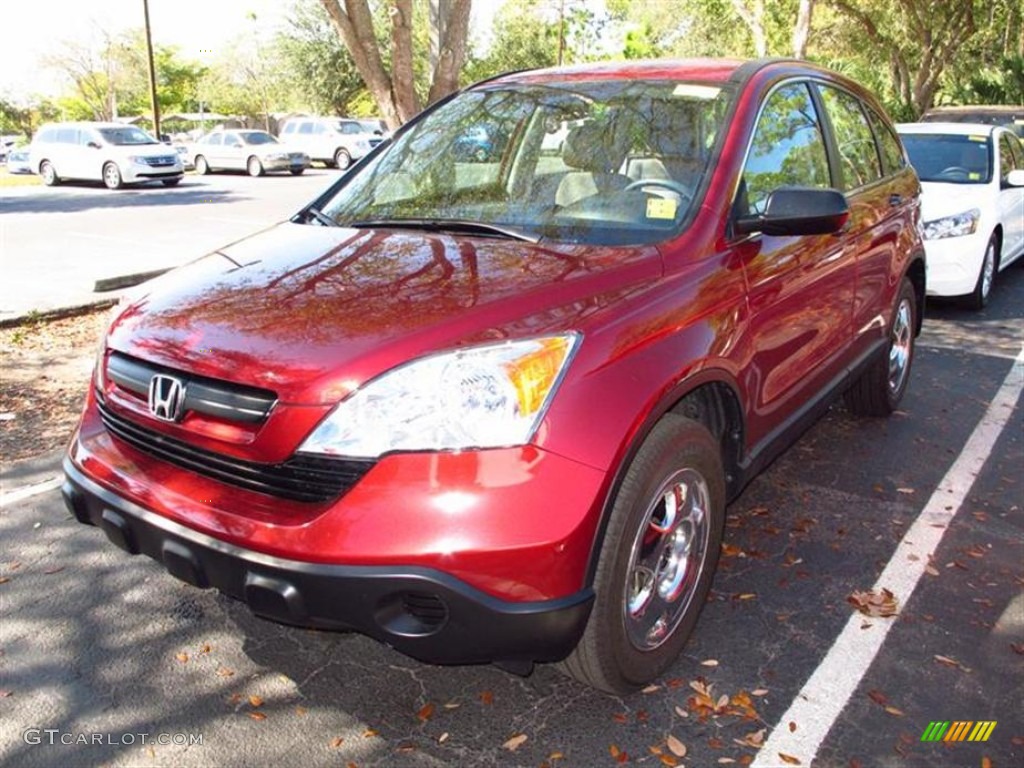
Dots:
pixel 449 225
pixel 321 217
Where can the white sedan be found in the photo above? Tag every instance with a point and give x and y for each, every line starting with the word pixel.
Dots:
pixel 256 152
pixel 972 204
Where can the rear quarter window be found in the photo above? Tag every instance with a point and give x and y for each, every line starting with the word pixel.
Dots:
pixel 893 160
pixel 858 155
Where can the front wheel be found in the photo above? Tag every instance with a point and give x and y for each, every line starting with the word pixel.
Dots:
pixel 112 176
pixel 254 166
pixel 342 159
pixel 657 561
pixel 978 298
pixel 202 167
pixel 49 174
pixel 880 388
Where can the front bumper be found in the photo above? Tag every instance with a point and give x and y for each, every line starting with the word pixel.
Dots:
pixel 954 263
pixel 421 612
pixel 285 164
pixel 134 173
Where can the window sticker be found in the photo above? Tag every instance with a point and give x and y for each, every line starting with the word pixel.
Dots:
pixel 661 208
pixel 696 91
pixel 977 138
pixel 974 176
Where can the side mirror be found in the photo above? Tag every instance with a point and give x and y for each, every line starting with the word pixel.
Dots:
pixel 797 211
pixel 93 145
pixel 1014 179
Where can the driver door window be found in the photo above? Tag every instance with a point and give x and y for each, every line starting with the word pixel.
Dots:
pixel 788 149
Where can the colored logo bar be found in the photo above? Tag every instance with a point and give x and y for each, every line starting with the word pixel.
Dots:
pixel 958 730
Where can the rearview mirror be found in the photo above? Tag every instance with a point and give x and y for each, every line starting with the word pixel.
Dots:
pixel 797 211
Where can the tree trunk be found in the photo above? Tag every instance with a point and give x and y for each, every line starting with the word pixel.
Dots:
pixel 452 50
pixel 753 17
pixel 802 30
pixel 403 85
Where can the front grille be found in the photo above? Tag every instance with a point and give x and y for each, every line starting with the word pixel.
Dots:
pixel 158 162
pixel 300 478
pixel 213 397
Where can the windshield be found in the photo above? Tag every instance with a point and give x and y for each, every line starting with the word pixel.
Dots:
pixel 609 161
pixel 127 136
pixel 949 158
pixel 257 137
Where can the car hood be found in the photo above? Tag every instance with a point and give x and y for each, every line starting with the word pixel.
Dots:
pixel 939 199
pixel 312 312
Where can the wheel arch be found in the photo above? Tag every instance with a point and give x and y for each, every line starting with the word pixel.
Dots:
pixel 997 233
pixel 711 398
pixel 917 275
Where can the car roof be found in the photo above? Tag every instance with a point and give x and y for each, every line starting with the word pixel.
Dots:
pixel 952 129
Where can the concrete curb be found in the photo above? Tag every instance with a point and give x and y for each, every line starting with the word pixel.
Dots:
pixel 57 314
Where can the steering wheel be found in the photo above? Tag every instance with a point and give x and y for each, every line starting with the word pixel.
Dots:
pixel 955 170
pixel 680 189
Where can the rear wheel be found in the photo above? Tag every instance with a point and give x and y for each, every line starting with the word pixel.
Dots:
pixel 202 167
pixel 112 176
pixel 978 298
pixel 880 388
pixel 657 560
pixel 254 166
pixel 342 159
pixel 49 174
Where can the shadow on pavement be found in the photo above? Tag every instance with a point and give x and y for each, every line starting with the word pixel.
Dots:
pixel 84 197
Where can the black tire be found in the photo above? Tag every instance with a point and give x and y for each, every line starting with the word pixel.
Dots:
pixel 202 167
pixel 879 390
pixel 112 176
pixel 978 298
pixel 170 182
pixel 296 171
pixel 615 653
pixel 254 167
pixel 49 174
pixel 342 159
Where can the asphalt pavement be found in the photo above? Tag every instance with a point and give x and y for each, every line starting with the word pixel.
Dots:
pixel 56 243
pixel 103 656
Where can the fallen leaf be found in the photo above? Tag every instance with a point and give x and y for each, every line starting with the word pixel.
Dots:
pixel 986 761
pixel 426 712
pixel 792 726
pixel 336 742
pixel 442 738
pixel 301 711
pixel 1017 648
pixel 4 693
pixel 182 657
pixel 946 661
pixel 255 701
pixel 789 759
pixel 642 716
pixel 257 716
pixel 616 753
pixel 872 603
pixel 556 756
pixel 931 570
pixel 905 490
pixel 225 672
pixel 406 748
pixel 894 712
pixel 755 739
pixel 709 663
pixel 730 550
pixel 668 760
pixel 748 596
pixel 651 688
pixel 4 579
pixel 620 717
pixel 515 742
pixel 369 733
pixel 759 692
pixel 206 648
pixel 56 569
pixel 675 746
pixel 452 705
pixel 486 697
pixel 681 712
pixel 878 697
pixel 725 761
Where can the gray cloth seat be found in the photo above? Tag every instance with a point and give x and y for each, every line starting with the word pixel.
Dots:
pixel 597 151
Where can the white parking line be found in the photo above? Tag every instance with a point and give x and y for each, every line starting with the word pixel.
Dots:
pixel 7 498
pixel 824 696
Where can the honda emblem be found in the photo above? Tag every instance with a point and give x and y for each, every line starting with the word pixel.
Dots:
pixel 166 397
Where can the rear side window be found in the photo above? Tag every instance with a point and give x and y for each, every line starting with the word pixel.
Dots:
pixel 290 128
pixel 858 156
pixel 888 144
pixel 47 135
pixel 306 128
pixel 216 139
pixel 788 148
pixel 67 135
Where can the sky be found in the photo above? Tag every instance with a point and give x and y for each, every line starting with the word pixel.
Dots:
pixel 33 29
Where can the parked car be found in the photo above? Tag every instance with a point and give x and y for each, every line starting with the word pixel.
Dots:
pixel 255 152
pixel 113 153
pixel 1006 115
pixel 972 204
pixel 496 413
pixel 331 140
pixel 18 161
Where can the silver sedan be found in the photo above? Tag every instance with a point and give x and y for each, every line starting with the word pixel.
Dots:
pixel 256 152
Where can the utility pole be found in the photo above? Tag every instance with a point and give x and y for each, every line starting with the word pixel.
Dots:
pixel 152 73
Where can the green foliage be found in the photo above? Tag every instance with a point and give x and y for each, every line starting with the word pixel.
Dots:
pixel 522 40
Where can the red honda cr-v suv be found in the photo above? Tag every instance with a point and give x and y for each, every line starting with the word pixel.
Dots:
pixel 492 408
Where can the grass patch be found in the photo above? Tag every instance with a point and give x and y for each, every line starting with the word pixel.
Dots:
pixel 18 179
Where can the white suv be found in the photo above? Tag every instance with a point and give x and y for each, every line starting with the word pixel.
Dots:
pixel 332 140
pixel 113 153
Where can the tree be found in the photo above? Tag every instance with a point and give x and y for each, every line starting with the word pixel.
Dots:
pixel 919 40
pixel 802 28
pixel 394 88
pixel 522 40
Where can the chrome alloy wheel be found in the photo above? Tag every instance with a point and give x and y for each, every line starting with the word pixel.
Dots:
pixel 666 561
pixel 901 345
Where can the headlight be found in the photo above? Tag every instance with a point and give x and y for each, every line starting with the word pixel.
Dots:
pixel 957 225
pixel 277 156
pixel 137 160
pixel 481 397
